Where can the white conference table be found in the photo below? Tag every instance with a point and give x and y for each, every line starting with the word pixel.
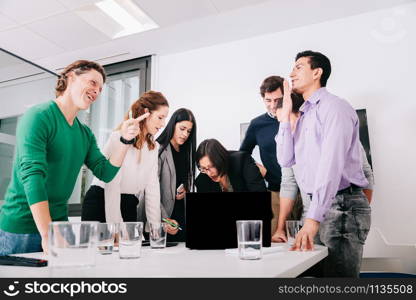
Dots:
pixel 180 261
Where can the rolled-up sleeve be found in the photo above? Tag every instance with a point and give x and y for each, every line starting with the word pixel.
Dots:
pixel 368 172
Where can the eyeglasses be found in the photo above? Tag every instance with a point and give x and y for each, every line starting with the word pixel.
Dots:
pixel 205 170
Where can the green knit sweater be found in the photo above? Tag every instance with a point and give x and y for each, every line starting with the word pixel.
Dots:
pixel 49 155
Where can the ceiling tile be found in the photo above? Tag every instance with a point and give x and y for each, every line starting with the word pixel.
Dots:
pixel 166 13
pixel 68 31
pixel 223 6
pixel 227 5
pixel 73 4
pixel 6 23
pixel 27 44
pixel 28 11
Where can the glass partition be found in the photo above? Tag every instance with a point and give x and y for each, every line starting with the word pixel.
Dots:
pixel 22 85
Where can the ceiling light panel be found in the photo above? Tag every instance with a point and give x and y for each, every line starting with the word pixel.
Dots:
pixel 116 18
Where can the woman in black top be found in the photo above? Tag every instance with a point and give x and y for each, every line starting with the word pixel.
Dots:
pixel 177 168
pixel 226 171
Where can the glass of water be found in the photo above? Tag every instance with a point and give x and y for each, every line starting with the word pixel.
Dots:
pixel 250 237
pixel 130 239
pixel 292 229
pixel 106 233
pixel 157 235
pixel 116 236
pixel 72 244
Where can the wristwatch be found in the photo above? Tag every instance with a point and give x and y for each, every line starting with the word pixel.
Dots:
pixel 127 142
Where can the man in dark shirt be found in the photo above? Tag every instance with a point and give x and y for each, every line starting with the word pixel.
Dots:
pixel 261 132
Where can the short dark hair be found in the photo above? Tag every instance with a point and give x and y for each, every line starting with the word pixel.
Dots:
pixel 297 102
pixel 270 84
pixel 79 67
pixel 216 153
pixel 182 114
pixel 318 60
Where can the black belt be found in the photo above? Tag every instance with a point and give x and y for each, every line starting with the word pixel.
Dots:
pixel 348 190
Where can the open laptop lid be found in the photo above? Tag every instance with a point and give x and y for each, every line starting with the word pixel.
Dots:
pixel 211 217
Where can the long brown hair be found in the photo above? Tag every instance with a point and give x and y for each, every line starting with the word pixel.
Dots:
pixel 180 115
pixel 152 101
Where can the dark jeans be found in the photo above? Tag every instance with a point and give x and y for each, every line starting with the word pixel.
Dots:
pixel 93 207
pixel 344 232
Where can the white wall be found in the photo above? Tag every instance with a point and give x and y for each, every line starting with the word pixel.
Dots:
pixel 373 67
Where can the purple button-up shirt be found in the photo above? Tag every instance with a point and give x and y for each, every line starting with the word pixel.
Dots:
pixel 324 150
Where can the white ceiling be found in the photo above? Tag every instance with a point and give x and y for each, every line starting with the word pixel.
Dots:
pixel 49 33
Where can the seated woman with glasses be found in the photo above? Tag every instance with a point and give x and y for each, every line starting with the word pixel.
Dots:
pixel 226 171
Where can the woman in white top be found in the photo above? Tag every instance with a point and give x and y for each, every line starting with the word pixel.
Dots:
pixel 116 201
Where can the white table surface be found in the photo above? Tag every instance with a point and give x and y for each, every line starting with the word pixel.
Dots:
pixel 182 262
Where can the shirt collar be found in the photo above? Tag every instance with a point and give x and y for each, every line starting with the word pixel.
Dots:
pixel 313 99
pixel 317 95
pixel 271 116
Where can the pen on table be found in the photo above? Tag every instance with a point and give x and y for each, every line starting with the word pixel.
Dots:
pixel 171 223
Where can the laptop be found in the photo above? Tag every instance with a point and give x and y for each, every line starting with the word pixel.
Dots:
pixel 211 217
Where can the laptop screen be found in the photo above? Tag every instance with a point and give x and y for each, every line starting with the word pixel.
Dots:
pixel 211 217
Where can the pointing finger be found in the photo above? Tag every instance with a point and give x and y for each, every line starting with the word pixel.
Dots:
pixel 142 117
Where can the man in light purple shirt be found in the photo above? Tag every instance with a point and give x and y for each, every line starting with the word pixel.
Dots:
pixel 324 151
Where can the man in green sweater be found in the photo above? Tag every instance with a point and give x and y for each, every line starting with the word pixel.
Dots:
pixel 51 147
